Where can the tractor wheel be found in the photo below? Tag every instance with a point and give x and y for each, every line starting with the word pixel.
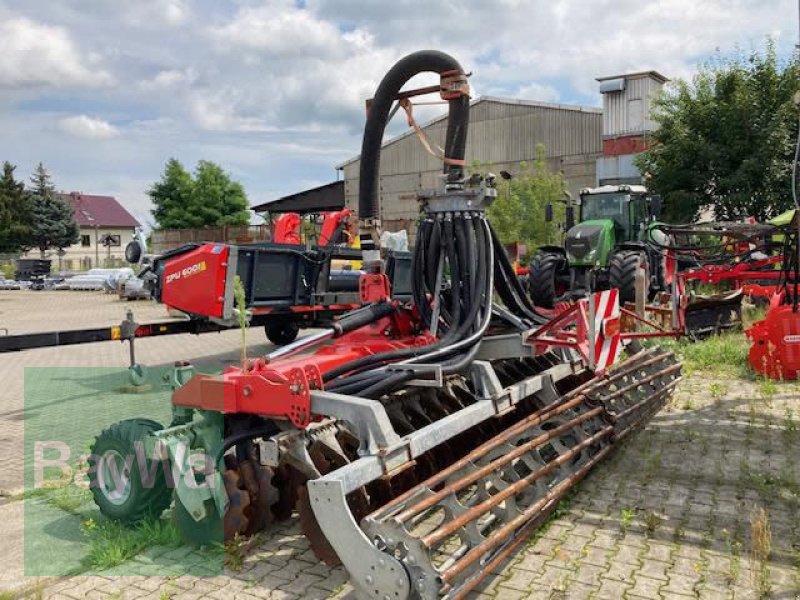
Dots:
pixel 622 269
pixel 123 487
pixel 281 334
pixel 543 280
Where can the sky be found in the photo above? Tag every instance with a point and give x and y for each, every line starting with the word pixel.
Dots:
pixel 104 92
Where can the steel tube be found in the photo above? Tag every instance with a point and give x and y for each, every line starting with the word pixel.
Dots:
pixel 474 512
pixel 473 476
pixel 303 343
pixel 503 532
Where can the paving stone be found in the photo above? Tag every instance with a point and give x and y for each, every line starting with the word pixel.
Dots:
pixel 612 589
pixel 658 551
pixel 588 574
pixel 620 571
pixel 681 584
pixel 520 579
pixel 653 569
pixel 646 587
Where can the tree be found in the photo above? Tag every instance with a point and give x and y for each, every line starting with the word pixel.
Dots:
pixel 726 139
pixel 221 199
pixel 208 198
pixel 15 212
pixel 171 196
pixel 52 221
pixel 518 212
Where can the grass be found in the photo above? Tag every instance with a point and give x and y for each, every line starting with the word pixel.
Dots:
pixel 734 547
pixel 234 554
pixel 718 390
pixel 34 593
pixel 652 522
pixel 626 518
pixel 761 536
pixel 767 389
pixel 724 354
pixel 112 543
pixel 561 509
pixel 789 424
pixel 241 306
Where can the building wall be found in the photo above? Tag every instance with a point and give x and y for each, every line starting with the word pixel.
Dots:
pixel 628 112
pixel 79 257
pixel 627 127
pixel 502 134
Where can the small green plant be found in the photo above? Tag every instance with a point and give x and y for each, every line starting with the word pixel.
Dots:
pixel 734 547
pixel 626 518
pixel 718 390
pixel 68 498
pixel 789 424
pixel 688 403
pixel 652 463
pixel 761 536
pixel 767 389
pixel 8 271
pixel 234 554
pixel 652 522
pixel 110 543
pixel 241 307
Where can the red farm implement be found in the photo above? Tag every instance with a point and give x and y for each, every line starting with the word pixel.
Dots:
pixel 419 439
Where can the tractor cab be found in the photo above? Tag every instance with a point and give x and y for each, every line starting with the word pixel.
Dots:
pixel 604 249
pixel 608 216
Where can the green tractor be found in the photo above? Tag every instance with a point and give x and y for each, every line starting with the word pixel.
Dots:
pixel 605 249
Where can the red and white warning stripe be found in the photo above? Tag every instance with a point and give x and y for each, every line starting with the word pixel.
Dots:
pixel 607 344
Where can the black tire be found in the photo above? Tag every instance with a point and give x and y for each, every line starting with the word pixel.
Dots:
pixel 542 281
pixel 281 334
pixel 145 492
pixel 622 270
pixel 133 252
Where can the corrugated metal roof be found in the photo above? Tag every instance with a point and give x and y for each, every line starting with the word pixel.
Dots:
pixel 501 108
pixel 637 75
pixel 319 199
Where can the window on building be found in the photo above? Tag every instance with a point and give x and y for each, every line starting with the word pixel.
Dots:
pixel 85 241
pixel 109 240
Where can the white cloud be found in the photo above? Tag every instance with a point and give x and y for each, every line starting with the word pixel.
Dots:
pixel 280 32
pixel 170 78
pixel 152 13
pixel 537 91
pixel 33 54
pixel 275 92
pixel 87 127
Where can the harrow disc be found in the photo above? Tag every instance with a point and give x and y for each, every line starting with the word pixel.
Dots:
pixel 252 499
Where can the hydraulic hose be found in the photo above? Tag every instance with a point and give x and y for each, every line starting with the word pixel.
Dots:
pixel 457 124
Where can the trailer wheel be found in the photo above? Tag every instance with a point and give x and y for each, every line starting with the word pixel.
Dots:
pixel 543 280
pixel 622 269
pixel 281 334
pixel 127 486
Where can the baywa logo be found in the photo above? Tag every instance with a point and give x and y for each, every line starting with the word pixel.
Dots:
pixel 115 474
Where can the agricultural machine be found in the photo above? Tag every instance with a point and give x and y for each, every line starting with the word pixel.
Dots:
pixel 605 249
pixel 419 441
pixel 287 287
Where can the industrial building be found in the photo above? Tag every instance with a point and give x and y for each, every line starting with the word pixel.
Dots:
pixel 627 123
pixel 589 145
pixel 502 132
